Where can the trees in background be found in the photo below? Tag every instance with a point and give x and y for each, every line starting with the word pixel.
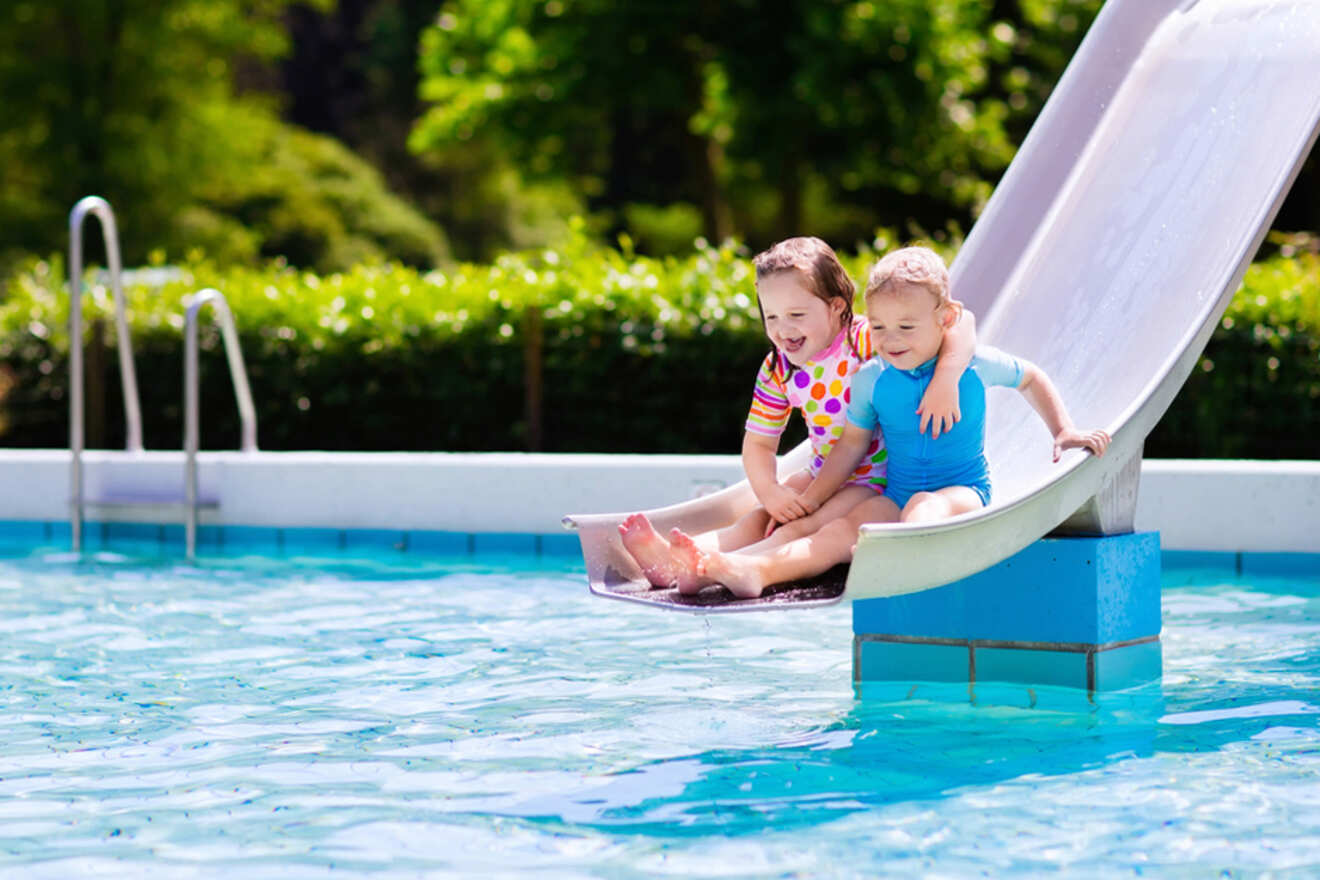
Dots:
pixel 764 117
pixel 352 73
pixel 115 98
pixel 332 131
pixel 136 101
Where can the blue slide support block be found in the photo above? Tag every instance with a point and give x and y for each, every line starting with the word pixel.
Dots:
pixel 1071 612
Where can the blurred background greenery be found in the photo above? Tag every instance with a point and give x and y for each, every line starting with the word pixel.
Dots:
pixel 260 137
pixel 331 132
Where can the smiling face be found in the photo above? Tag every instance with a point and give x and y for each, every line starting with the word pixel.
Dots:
pixel 799 323
pixel 907 324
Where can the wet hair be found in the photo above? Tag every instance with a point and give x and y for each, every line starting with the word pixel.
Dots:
pixel 919 266
pixel 821 272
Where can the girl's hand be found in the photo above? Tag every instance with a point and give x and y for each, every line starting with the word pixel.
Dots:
pixel 939 407
pixel 785 504
pixel 802 501
pixel 1071 438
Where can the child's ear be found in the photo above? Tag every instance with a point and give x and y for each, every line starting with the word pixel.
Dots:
pixel 952 311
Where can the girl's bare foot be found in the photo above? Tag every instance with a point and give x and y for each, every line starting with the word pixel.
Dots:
pixel 687 558
pixel 742 575
pixel 651 551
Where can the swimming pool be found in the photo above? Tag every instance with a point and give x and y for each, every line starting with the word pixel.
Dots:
pixel 483 715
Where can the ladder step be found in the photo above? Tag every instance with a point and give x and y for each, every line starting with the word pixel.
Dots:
pixel 128 508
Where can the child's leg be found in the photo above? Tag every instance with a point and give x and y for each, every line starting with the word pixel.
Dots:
pixel 941 504
pixel 687 553
pixel 749 528
pixel 840 504
pixel 747 574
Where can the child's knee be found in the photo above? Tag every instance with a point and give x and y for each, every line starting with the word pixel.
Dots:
pixel 924 505
pixel 878 509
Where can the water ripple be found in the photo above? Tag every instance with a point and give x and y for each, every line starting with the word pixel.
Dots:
pixel 400 718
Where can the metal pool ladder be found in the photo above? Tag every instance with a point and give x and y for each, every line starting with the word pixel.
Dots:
pixel 99 208
pixel 247 412
pixel 167 508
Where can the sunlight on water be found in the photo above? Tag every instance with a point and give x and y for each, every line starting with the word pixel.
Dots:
pixel 486 716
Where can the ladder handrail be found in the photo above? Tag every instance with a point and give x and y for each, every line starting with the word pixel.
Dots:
pixel 191 393
pixel 99 208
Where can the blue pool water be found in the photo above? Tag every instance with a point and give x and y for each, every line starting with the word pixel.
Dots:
pixel 485 716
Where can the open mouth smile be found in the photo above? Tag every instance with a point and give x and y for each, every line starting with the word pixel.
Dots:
pixel 793 344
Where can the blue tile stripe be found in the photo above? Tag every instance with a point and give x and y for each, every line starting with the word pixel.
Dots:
pixel 1243 562
pixel 916 651
pixel 1066 647
pixel 269 540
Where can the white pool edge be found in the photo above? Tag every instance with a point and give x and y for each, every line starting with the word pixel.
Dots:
pixel 1207 505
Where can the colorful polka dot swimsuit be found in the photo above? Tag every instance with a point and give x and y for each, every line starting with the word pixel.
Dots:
pixel 820 390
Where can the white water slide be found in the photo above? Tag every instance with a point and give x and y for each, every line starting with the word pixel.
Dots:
pixel 1107 256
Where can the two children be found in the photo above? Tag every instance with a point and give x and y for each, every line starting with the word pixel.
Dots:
pixel 920 340
pixel 908 307
pixel 806 300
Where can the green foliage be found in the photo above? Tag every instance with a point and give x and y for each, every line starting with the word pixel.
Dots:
pixel 304 197
pixel 135 101
pixel 663 229
pixel 596 94
pixel 851 114
pixel 110 99
pixel 884 100
pixel 386 357
pixel 488 207
pixel 636 354
pixel 1256 392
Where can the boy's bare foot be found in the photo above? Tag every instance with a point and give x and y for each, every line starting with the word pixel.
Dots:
pixel 651 551
pixel 687 558
pixel 740 574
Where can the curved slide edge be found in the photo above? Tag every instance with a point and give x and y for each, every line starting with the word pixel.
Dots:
pixel 897 558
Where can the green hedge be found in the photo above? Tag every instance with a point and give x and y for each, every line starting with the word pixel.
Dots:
pixel 386 357
pixel 580 349
pixel 1256 391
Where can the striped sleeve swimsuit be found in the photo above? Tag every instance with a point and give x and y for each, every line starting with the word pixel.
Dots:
pixel 821 390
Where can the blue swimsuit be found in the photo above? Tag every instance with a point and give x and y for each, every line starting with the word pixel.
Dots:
pixel 885 395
